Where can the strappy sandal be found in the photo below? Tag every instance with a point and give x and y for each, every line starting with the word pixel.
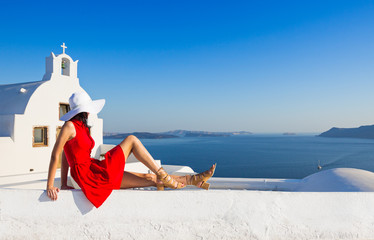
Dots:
pixel 167 181
pixel 202 177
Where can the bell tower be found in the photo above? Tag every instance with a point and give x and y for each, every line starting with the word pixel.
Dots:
pixel 60 66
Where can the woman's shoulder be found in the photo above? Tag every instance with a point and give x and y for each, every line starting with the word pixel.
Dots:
pixel 68 126
pixel 69 129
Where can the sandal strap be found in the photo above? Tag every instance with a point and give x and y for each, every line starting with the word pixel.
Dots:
pixel 167 180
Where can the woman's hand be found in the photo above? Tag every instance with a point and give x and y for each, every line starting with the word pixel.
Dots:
pixel 66 187
pixel 52 192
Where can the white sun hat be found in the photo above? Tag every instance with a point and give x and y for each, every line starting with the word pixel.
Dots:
pixel 81 102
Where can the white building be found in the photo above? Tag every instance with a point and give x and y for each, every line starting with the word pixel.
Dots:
pixel 30 113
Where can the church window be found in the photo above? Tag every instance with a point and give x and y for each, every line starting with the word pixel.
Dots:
pixel 40 137
pixel 64 108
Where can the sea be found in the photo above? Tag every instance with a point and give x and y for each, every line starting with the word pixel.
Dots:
pixel 262 155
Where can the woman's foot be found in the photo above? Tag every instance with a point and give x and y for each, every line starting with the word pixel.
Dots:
pixel 199 180
pixel 167 181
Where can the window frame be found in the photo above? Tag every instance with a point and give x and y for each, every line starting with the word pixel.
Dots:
pixel 59 108
pixel 45 137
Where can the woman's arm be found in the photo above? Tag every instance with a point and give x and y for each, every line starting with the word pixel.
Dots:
pixel 67 132
pixel 64 173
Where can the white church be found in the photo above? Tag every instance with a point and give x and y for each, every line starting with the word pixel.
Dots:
pixel 30 113
pixel 30 123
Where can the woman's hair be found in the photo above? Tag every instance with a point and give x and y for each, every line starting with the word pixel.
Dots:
pixel 81 117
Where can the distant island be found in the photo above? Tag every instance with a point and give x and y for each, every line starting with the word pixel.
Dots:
pixel 142 135
pixel 289 134
pixel 360 132
pixel 175 134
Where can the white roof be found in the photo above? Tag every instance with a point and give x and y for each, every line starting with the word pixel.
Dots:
pixel 14 97
pixel 338 180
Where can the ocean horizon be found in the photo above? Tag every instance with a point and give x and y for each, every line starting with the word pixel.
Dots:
pixel 262 155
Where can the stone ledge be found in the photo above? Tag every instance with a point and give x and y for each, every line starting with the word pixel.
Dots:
pixel 187 214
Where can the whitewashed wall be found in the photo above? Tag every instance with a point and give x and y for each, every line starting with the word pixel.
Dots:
pixel 193 214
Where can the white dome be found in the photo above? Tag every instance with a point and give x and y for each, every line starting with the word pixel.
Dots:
pixel 338 180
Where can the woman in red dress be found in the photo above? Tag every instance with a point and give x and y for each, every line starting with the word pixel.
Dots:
pixel 98 178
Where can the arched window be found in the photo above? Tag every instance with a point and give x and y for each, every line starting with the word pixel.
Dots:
pixel 65 67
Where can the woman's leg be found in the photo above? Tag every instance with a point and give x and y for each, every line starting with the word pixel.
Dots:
pixel 131 144
pixel 133 180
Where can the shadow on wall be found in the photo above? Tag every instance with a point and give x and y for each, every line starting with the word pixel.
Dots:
pixel 82 203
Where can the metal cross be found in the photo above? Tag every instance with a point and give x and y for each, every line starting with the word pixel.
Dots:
pixel 63 48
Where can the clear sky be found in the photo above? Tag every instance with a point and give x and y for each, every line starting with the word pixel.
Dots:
pixel 259 66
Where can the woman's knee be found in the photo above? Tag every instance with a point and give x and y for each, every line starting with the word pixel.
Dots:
pixel 128 144
pixel 131 138
pixel 129 141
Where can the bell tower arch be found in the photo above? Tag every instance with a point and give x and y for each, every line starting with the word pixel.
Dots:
pixel 65 67
pixel 60 66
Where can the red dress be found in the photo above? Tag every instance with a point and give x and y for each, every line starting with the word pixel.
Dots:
pixel 96 178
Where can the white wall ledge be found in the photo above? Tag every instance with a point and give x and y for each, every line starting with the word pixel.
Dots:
pixel 192 214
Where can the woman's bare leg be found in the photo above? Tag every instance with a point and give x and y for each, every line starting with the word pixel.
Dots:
pixel 133 180
pixel 131 144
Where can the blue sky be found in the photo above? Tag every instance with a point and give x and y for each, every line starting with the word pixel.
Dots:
pixel 259 66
